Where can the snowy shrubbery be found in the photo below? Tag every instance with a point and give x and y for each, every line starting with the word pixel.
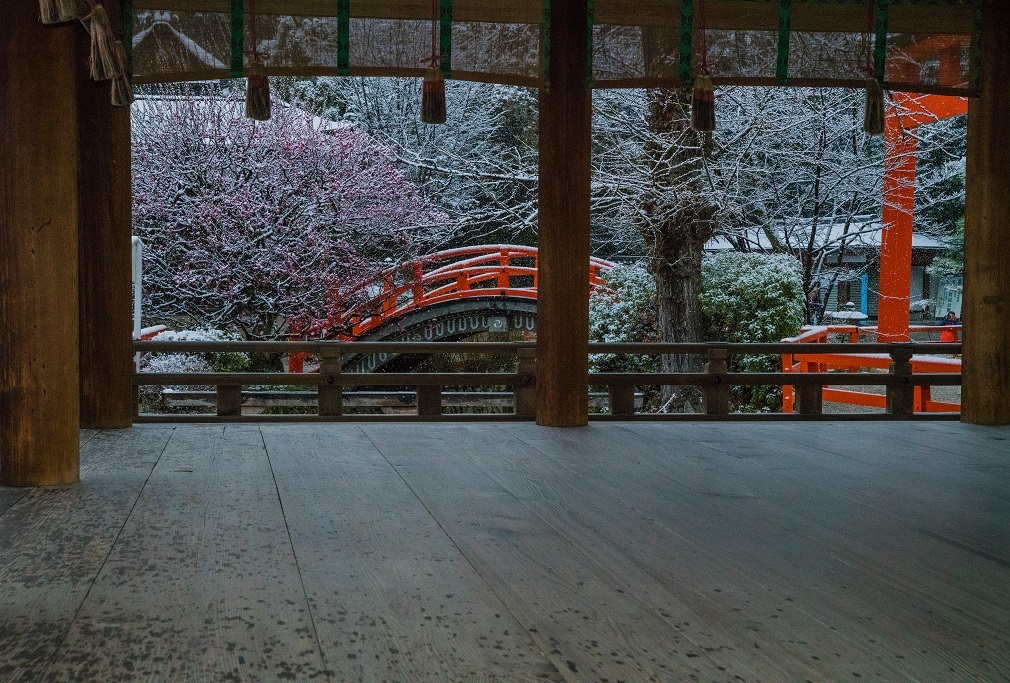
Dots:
pixel 751 297
pixel 151 395
pixel 214 362
pixel 625 312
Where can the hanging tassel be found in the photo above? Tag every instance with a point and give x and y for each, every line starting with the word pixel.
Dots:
pixel 58 11
pixel 873 121
pixel 257 93
pixel 122 88
pixel 104 61
pixel 122 91
pixel 703 104
pixel 433 96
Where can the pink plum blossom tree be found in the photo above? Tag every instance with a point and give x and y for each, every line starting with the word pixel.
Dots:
pixel 249 225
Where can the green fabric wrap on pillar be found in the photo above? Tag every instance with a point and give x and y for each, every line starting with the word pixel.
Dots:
pixel 785 31
pixel 445 38
pixel 238 38
pixel 686 41
pixel 343 37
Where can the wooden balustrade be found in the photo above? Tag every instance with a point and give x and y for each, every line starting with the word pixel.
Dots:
pixel 715 382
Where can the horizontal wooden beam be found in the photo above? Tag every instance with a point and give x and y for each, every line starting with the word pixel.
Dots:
pixel 720 14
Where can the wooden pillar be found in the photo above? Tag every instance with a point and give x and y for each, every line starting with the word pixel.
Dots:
pixel 106 310
pixel 38 250
pixel 985 310
pixel 563 263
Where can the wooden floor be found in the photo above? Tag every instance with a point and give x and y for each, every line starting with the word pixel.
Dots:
pixel 470 552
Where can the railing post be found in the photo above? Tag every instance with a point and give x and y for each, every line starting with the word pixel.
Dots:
pixel 429 400
pixel 331 391
pixel 622 399
pixel 809 399
pixel 901 391
pixel 715 392
pixel 526 393
pixel 229 400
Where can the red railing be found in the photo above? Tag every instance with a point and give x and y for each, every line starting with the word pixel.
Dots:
pixel 501 270
pixel 856 362
pixel 482 272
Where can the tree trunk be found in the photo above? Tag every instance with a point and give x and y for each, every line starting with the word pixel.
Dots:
pixel 677 220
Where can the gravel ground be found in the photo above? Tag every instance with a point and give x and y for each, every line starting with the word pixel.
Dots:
pixel 946 394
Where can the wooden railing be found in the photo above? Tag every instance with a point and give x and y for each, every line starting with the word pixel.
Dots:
pixel 715 381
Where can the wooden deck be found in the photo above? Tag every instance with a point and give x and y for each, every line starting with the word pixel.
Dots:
pixel 622 551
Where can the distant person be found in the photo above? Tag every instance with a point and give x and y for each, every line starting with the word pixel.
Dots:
pixel 948 335
pixel 814 306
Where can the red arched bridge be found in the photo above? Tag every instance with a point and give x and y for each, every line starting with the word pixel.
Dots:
pixel 445 296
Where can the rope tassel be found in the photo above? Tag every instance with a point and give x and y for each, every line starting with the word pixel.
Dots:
pixel 703 104
pixel 122 88
pixel 257 94
pixel 105 62
pixel 58 11
pixel 873 119
pixel 433 96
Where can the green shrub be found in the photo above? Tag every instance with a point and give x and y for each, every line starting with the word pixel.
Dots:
pixel 749 297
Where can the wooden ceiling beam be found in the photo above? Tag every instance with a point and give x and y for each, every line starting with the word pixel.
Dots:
pixel 720 14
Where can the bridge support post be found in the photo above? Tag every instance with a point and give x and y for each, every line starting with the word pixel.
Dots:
pixel 39 363
pixel 564 193
pixel 985 397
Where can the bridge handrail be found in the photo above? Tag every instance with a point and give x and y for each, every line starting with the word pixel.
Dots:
pixel 901 381
pixel 457 274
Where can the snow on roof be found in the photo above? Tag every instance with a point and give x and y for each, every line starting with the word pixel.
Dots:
pixel 862 233
pixel 162 23
pixel 143 103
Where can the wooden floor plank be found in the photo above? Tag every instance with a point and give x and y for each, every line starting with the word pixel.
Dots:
pixel 578 609
pixel 392 597
pixel 745 618
pixel 634 551
pixel 87 435
pixel 712 500
pixel 54 541
pixel 9 496
pixel 202 584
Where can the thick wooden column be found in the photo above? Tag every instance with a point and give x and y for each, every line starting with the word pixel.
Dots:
pixel 985 398
pixel 38 250
pixel 104 249
pixel 563 264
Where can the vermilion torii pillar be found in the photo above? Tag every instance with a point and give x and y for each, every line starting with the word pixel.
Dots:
pixel 904 115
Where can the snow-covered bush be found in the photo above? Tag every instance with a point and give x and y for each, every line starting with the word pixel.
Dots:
pixel 215 362
pixel 624 312
pixel 752 297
